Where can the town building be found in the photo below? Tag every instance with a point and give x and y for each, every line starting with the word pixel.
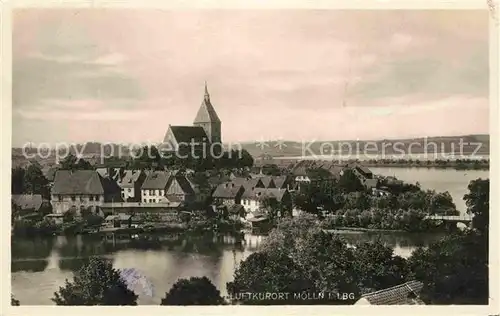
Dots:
pixel 79 190
pixel 155 186
pixel 130 183
pixel 164 187
pixel 203 138
pixel 228 194
pixel 403 294
pixel 31 205
pixel 252 198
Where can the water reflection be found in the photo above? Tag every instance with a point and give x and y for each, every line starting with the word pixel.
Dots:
pixel 29 265
pixel 163 259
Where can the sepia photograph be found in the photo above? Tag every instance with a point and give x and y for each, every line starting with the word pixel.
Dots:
pixel 250 157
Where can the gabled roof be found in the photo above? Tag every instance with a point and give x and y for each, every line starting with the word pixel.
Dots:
pixel 363 169
pixel 187 134
pixel 28 201
pixel 248 183
pixel 206 112
pixel 49 172
pixel 129 178
pixel 281 181
pixel 267 181
pixel 236 209
pixel 156 180
pixel 227 190
pixel 403 294
pixel 262 193
pixel 184 184
pixel 78 182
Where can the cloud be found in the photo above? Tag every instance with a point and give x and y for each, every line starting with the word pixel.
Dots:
pixel 320 73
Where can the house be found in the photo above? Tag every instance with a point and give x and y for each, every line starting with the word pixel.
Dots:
pixel 365 176
pixel 180 187
pixel 236 212
pixel 130 184
pixel 118 221
pixel 248 183
pixel 110 172
pixel 154 187
pixel 364 171
pixel 259 221
pixel 267 181
pixel 403 294
pixel 252 198
pixel 228 194
pixel 158 185
pixel 82 189
pixel 31 205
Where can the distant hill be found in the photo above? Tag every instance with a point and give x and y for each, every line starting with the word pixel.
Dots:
pixel 275 149
pixel 443 144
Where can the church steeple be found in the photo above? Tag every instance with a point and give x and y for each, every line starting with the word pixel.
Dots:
pixel 208 118
pixel 207 95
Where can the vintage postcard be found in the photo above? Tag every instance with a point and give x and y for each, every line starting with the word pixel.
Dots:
pixel 238 156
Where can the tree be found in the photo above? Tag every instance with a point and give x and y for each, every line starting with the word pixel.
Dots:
pixel 17 179
pixel 264 272
pixel 245 159
pixel 71 162
pixel 454 270
pixel 377 267
pixel 478 203
pixel 349 182
pixel 271 170
pixel 195 291
pixel 328 262
pixel 96 283
pixel 35 182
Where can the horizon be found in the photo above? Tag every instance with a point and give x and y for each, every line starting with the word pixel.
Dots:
pixel 384 74
pixel 268 140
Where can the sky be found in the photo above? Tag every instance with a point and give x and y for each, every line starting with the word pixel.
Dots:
pixel 124 75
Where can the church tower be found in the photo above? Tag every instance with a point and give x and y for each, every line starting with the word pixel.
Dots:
pixel 208 119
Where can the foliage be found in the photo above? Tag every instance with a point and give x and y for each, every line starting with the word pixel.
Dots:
pixel 349 182
pixel 478 203
pixel 71 162
pixel 17 179
pixel 193 291
pixel 377 267
pixel 147 157
pixel 318 261
pixel 263 272
pixel 96 283
pixel 453 270
pixel 271 170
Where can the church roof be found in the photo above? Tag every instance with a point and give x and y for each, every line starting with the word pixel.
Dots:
pixel 184 134
pixel 206 113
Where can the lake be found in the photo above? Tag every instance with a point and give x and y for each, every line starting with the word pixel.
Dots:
pixel 451 180
pixel 40 266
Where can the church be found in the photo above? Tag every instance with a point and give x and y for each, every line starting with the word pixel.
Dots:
pixel 204 134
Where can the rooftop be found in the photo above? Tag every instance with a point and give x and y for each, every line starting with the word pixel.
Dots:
pixel 403 294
